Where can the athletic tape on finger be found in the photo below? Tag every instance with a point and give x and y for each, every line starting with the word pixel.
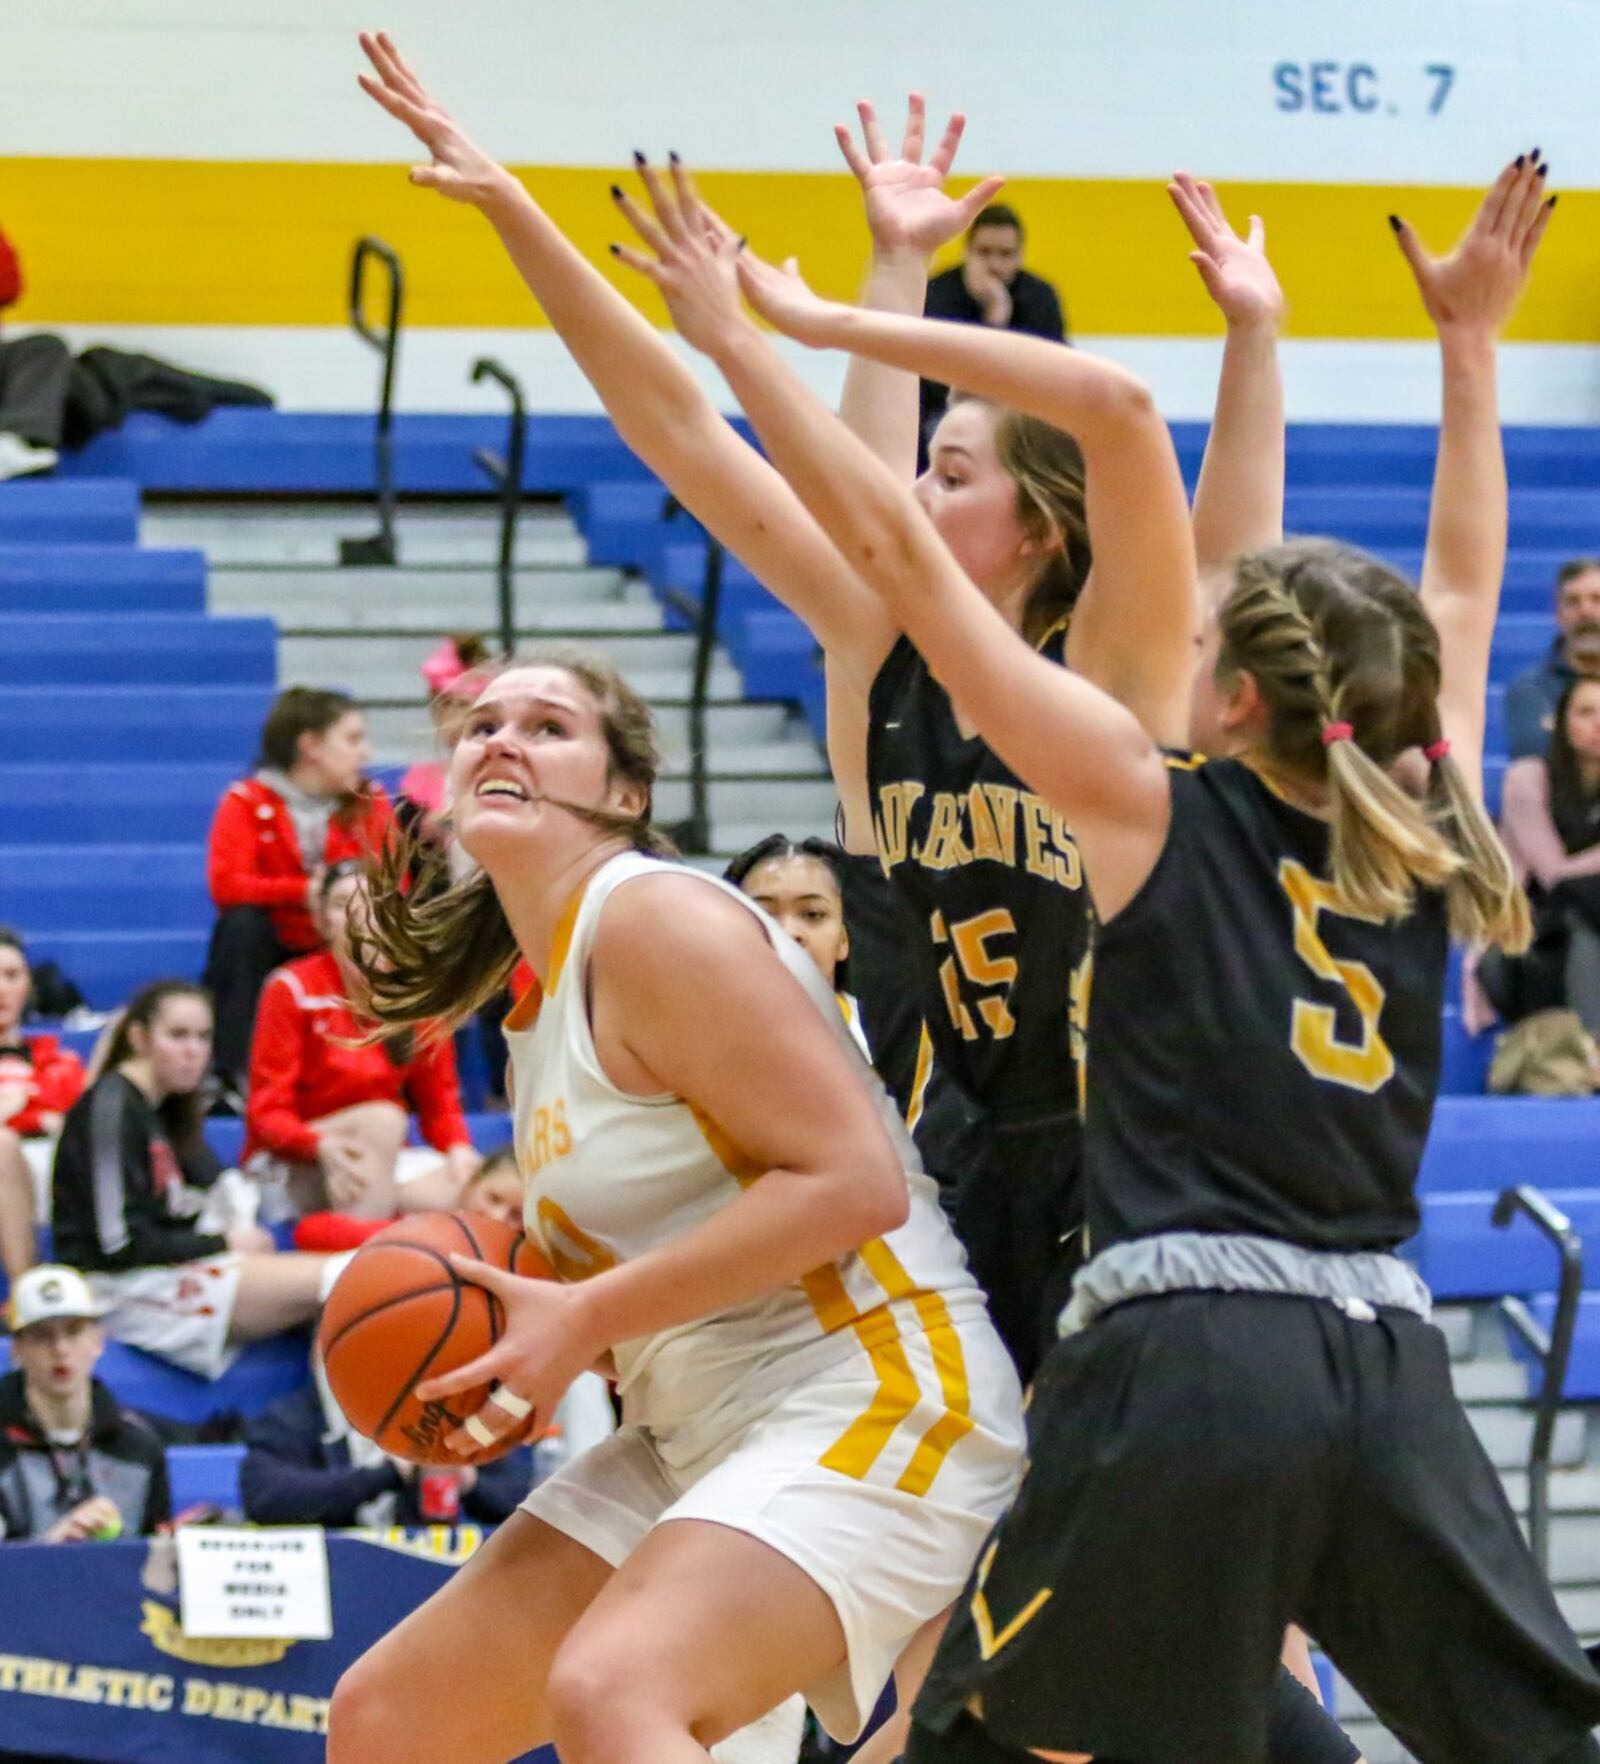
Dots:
pixel 516 1407
pixel 480 1432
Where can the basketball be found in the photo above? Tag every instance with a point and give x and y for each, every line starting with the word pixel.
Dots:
pixel 400 1314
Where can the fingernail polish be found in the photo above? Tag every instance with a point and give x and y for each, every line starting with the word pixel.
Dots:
pixel 1518 160
pixel 1544 170
pixel 1534 154
pixel 638 157
pixel 1394 221
pixel 1551 203
pixel 616 192
pixel 672 157
pixel 614 249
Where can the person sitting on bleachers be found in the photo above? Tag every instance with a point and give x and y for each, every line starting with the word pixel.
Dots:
pixel 169 1244
pixel 327 1113
pixel 1550 821
pixel 1532 696
pixel 39 1081
pixel 308 805
pixel 74 1464
pixel 454 675
pixel 306 1465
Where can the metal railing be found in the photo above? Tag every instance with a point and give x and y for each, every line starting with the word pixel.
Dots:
pixel 694 834
pixel 1552 1348
pixel 506 475
pixel 380 547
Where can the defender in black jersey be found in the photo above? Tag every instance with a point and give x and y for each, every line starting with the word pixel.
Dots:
pixel 1251 1422
pixel 999 914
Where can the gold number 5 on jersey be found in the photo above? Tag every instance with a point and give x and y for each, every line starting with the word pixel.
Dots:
pixel 980 968
pixel 1366 1065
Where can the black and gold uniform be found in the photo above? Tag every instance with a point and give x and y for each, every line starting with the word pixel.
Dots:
pixel 1253 1423
pixel 999 913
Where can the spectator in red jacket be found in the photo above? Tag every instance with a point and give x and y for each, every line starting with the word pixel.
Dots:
pixel 274 836
pixel 33 386
pixel 39 1081
pixel 328 1108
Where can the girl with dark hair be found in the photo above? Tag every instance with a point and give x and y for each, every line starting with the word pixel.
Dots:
pixel 1249 1420
pixel 133 1178
pixel 39 1081
pixel 307 806
pixel 1550 816
pixel 329 1106
pixel 800 885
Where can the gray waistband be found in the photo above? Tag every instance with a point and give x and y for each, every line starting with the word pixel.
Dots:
pixel 1195 1261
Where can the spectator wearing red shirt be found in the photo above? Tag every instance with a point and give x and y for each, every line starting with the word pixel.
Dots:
pixel 275 834
pixel 39 1081
pixel 33 386
pixel 328 1108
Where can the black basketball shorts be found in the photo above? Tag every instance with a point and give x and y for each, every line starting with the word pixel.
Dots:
pixel 1207 1468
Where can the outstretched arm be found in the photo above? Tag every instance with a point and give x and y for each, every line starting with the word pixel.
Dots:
pixel 1135 630
pixel 1470 297
pixel 1071 742
pixel 648 392
pixel 910 217
pixel 1238 502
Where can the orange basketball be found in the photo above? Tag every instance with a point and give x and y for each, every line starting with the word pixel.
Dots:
pixel 399 1314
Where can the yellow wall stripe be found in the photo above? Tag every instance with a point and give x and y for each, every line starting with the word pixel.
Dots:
pixel 194 242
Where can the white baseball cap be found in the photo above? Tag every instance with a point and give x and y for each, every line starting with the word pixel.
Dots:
pixel 46 1293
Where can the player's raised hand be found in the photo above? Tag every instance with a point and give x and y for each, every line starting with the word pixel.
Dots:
pixel 1477 286
pixel 689 254
pixel 907 206
pixel 457 168
pixel 1235 270
pixel 542 1348
pixel 785 302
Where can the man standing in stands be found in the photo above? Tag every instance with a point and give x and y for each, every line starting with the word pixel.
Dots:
pixel 33 384
pixel 74 1465
pixel 1532 697
pixel 990 287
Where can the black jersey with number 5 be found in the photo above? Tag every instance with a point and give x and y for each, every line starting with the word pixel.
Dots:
pixel 1262 1061
pixel 994 884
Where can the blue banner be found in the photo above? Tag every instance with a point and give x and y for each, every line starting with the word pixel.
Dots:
pixel 94 1664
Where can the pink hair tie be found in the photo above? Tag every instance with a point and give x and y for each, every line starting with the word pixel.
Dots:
pixel 1332 732
pixel 1436 751
pixel 444 667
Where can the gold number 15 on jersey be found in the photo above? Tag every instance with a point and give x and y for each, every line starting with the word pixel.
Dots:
pixel 1367 1064
pixel 981 967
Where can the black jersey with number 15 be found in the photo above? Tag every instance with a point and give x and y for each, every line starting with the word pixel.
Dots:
pixel 1261 1061
pixel 994 884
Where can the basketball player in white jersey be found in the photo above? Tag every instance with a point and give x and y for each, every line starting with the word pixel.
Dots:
pixel 820 1423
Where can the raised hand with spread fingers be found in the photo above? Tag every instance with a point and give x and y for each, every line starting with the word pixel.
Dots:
pixel 1470 295
pixel 1238 502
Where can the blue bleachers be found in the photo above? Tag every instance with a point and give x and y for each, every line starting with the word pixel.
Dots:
pixel 100 579
pixel 52 888
pixel 160 649
pixel 1490 1143
pixel 65 804
pixel 133 725
pixel 206 1474
pixel 110 966
pixel 94 511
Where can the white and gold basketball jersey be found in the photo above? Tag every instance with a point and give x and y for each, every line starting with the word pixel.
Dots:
pixel 608 1176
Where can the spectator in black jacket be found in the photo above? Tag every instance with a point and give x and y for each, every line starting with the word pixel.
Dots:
pixel 990 287
pixel 73 1464
pixel 307 1466
pixel 174 1257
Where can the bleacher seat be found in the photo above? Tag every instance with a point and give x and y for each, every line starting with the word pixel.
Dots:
pixel 84 579
pixel 1583 1368
pixel 51 888
pixel 110 966
pixel 147 649
pixel 44 804
pixel 95 511
pixel 133 725
pixel 205 1474
pixel 1463 1255
pixel 225 1134
pixel 1492 1142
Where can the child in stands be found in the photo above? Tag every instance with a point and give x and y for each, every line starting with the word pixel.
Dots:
pixel 328 1109
pixel 307 806
pixel 74 1465
pixel 172 1274
pixel 39 1081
